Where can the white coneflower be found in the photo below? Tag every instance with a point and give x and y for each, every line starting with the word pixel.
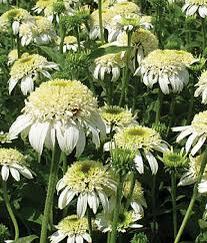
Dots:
pixel 40 30
pixel 127 220
pixel 108 14
pixel 27 69
pixel 116 117
pixel 61 109
pixel 168 68
pixel 144 142
pixel 88 180
pixel 109 64
pixel 137 200
pixel 192 173
pixel 73 228
pixel 12 57
pixel 197 133
pixel 195 6
pixel 12 161
pixel 143 42
pixel 70 43
pixel 13 18
pixel 202 87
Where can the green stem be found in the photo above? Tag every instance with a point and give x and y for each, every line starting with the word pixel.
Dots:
pixel 116 210
pixel 50 193
pixel 78 37
pixel 90 227
pixel 191 105
pixel 159 107
pixel 62 37
pixel 9 209
pixel 154 205
pixel 125 78
pixel 100 21
pixel 108 236
pixel 173 195
pixel 171 113
pixel 132 185
pixel 204 33
pixel 18 47
pixel 193 198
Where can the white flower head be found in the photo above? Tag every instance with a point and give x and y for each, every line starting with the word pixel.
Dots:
pixel 116 117
pixel 72 227
pixel 60 109
pixel 12 57
pixel 127 219
pixel 202 87
pixel 12 161
pixel 196 133
pixel 144 142
pixel 109 64
pixel 40 30
pixel 13 18
pixel 70 43
pixel 192 7
pixel 168 68
pixel 27 69
pixel 89 180
pixel 192 173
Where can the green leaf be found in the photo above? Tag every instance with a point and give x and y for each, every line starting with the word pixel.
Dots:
pixel 26 239
pixel 53 54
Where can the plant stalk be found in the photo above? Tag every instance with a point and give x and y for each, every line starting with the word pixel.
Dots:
pixel 50 193
pixel 173 195
pixel 204 33
pixel 193 199
pixel 113 236
pixel 100 21
pixel 132 185
pixel 9 209
pixel 90 227
pixel 159 107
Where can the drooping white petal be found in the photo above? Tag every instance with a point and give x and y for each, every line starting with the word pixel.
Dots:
pixel 198 145
pixel 179 129
pixel 12 83
pixel 92 201
pixel 15 27
pixel 187 179
pixel 15 173
pixel 137 207
pixel 80 143
pixel 79 239
pixel 62 198
pixel 87 237
pixel 136 226
pixel 82 204
pixel 202 186
pixel 184 134
pixel 21 123
pixel 26 173
pixel 104 200
pixel 27 85
pixel 139 165
pixel 190 141
pixel 96 71
pixel 202 10
pixel 4 172
pixel 60 185
pixel 57 237
pixel 71 137
pixel 37 135
pixel 71 239
pixel 191 10
pixel 152 162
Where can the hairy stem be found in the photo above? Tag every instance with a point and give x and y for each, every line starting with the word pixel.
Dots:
pixel 50 193
pixel 159 107
pixel 90 227
pixel 9 209
pixel 132 185
pixel 173 195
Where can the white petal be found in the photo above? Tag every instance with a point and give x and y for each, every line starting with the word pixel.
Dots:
pixel 27 85
pixel 12 84
pixel 152 162
pixel 62 198
pixel 71 239
pixel 96 71
pixel 57 237
pixel 135 226
pixel 183 134
pixel 202 11
pixel 191 10
pixel 93 201
pixel 186 179
pixel 190 141
pixel 202 186
pixel 4 172
pixel 71 137
pixel 15 27
pixel 21 123
pixel 82 204
pixel 60 185
pixel 15 173
pixel 139 163
pixel 80 143
pixel 37 135
pixel 198 145
pixel 87 237
pixel 26 173
pixel 179 129
pixel 79 239
pixel 104 200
